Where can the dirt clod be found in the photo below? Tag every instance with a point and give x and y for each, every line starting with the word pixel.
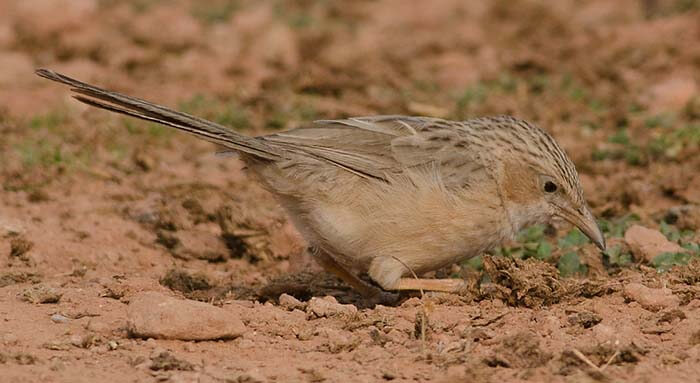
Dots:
pixel 11 278
pixel 165 361
pixel 37 195
pixel 185 282
pixel 521 350
pixel 41 294
pixel 19 246
pixel 530 283
pixel 21 358
pixel 585 319
pixel 671 316
pixel 327 307
pixel 651 299
pixel 167 239
pixel 695 338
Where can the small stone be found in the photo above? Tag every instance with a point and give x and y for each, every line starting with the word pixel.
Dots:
pixel 76 340
pixel 9 339
pixel 388 375
pixel 327 307
pixel 56 345
pixel 306 333
pixel 251 377
pixel 651 299
pixel 58 318
pixel 647 243
pixel 290 303
pixel 112 344
pixel 155 315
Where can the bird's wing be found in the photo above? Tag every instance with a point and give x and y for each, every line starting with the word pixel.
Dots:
pixel 382 146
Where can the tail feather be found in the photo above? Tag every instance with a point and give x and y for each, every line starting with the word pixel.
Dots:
pixel 131 106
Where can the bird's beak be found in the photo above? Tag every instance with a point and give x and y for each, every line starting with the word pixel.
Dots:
pixel 585 221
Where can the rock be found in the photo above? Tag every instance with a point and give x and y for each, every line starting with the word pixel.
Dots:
pixel 155 315
pixel 327 307
pixel 290 303
pixel 647 243
pixel 651 299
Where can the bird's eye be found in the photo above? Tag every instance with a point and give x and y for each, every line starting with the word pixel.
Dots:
pixel 550 187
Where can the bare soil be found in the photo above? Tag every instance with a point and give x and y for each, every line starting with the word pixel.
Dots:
pixel 96 208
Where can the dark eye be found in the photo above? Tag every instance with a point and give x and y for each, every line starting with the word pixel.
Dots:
pixel 550 187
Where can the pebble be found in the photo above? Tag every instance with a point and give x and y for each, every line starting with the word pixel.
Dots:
pixel 76 340
pixel 155 315
pixel 647 243
pixel 327 307
pixel 251 376
pixel 651 299
pixel 58 318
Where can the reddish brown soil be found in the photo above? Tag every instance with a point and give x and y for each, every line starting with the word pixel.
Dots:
pixel 95 208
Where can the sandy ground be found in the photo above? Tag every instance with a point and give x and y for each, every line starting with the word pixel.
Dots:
pixel 96 209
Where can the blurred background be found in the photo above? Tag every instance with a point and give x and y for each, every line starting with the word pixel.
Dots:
pixel 615 82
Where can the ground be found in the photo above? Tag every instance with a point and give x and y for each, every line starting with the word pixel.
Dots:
pixel 96 209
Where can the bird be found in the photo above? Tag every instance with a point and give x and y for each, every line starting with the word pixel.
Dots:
pixel 392 196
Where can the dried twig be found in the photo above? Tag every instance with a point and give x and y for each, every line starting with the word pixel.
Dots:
pixel 585 359
pixel 422 303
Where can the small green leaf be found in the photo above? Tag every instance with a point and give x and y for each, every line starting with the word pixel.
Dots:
pixel 620 137
pixel 693 247
pixel 475 263
pixel 544 250
pixel 617 227
pixel 570 264
pixel 665 261
pixel 533 233
pixel 670 231
pixel 573 238
pixel 660 120
pixel 615 256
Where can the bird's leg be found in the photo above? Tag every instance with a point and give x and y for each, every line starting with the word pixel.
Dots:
pixel 329 264
pixel 443 285
pixel 388 272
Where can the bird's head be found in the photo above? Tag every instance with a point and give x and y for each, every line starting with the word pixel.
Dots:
pixel 538 181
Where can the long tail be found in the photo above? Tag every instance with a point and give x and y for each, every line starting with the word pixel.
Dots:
pixel 119 103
